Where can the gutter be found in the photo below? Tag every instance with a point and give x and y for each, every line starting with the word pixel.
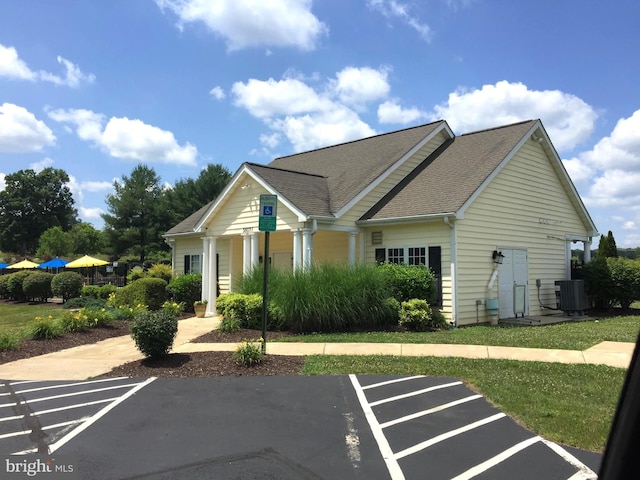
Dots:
pixel 453 268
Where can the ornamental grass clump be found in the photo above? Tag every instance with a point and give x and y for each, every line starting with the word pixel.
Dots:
pixel 45 328
pixel 154 332
pixel 249 353
pixel 8 341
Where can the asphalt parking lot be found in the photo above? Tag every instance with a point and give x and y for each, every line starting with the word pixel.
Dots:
pixel 373 427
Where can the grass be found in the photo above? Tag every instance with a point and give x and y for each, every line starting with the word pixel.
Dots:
pixel 564 336
pixel 18 316
pixel 568 404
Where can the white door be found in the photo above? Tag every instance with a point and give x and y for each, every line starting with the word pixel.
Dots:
pixel 513 298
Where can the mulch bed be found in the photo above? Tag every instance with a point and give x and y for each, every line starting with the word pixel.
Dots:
pixel 216 336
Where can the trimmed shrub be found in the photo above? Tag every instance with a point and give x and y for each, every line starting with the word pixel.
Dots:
pixel 136 273
pixel 95 291
pixel 14 285
pixel 598 283
pixel 229 325
pixel 154 332
pixel 37 286
pixel 246 309
pixel 160 270
pixel 415 315
pixel 145 291
pixel 408 281
pixel 4 286
pixel 625 278
pixel 82 302
pixel 66 285
pixel 186 289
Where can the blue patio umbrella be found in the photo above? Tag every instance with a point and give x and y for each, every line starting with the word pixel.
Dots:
pixel 3 265
pixel 53 263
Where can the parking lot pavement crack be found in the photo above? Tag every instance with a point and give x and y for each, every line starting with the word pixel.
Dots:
pixel 30 421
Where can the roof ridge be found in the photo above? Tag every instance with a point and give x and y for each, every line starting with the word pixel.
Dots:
pixel 499 127
pixel 359 139
pixel 285 170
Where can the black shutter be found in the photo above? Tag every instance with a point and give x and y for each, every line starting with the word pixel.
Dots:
pixel 435 264
pixel 380 257
pixel 187 264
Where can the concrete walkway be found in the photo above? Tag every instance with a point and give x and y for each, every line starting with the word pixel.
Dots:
pixel 80 363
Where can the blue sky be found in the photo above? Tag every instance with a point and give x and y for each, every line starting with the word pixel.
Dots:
pixel 94 88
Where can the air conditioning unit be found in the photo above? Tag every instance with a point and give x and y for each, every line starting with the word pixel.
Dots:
pixel 572 296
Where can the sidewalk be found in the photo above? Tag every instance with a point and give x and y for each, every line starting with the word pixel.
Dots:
pixel 80 363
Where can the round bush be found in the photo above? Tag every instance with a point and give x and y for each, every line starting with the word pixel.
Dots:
pixel 14 285
pixel 81 302
pixel 4 286
pixel 154 332
pixel 415 315
pixel 66 285
pixel 37 286
pixel 151 292
pixel 186 289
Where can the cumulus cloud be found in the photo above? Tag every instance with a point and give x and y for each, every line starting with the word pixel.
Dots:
pixel 11 66
pixel 394 9
pixel 217 93
pixel 391 112
pixel 21 131
pixel 3 184
pixel 313 114
pixel 129 139
pixel 568 119
pixel 41 165
pixel 252 23
pixel 89 214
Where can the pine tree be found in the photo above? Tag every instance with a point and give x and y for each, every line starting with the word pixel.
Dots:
pixel 607 247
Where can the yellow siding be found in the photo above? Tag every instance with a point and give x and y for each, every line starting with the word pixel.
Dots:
pixel 427 234
pixel 223 247
pixel 185 246
pixel 241 210
pixel 525 207
pixel 354 214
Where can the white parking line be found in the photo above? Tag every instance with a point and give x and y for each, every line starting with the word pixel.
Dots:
pixel 48 427
pixel 64 385
pixel 383 445
pixel 413 394
pixel 95 390
pixel 389 382
pixel 584 472
pixel 452 433
pixel 439 408
pixel 60 409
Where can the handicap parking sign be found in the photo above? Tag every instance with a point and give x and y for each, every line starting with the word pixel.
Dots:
pixel 268 208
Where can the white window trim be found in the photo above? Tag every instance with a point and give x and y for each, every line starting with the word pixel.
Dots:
pixel 405 254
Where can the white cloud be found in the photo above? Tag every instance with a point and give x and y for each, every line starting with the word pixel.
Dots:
pixel 12 67
pixel 568 119
pixel 357 86
pixel 129 139
pixel 41 165
pixel 3 184
pixel 395 9
pixel 270 141
pixel 252 23
pixel 630 225
pixel 217 93
pixel 391 112
pixel 21 131
pixel 88 214
pixel 313 116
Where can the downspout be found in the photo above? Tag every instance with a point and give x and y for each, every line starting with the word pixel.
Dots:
pixel 454 268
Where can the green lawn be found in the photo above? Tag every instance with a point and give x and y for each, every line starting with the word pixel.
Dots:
pixel 18 316
pixel 569 404
pixel 566 336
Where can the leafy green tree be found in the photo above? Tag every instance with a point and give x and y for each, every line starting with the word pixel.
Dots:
pixel 188 195
pixel 86 239
pixel 137 217
pixel 55 242
pixel 30 204
pixel 607 247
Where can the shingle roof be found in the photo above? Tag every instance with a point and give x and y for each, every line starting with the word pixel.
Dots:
pixel 448 177
pixel 189 223
pixel 350 167
pixel 308 192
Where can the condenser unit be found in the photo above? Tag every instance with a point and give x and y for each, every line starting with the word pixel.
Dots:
pixel 572 296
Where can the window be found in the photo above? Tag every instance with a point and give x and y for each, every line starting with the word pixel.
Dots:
pixel 408 255
pixel 395 255
pixel 417 256
pixel 192 264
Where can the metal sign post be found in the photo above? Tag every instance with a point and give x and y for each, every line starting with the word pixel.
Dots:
pixel 267 224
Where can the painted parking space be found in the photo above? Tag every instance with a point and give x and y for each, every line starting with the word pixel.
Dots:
pixel 42 416
pixel 440 428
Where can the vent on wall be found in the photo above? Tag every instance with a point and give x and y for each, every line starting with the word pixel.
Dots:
pixel 376 238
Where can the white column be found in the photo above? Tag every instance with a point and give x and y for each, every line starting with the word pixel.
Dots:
pixel 352 248
pixel 297 250
pixel 205 270
pixel 212 291
pixel 246 253
pixel 587 251
pixel 255 249
pixel 307 248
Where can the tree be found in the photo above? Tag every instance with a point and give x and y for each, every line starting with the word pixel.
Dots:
pixel 86 239
pixel 137 217
pixel 30 204
pixel 188 195
pixel 55 242
pixel 607 246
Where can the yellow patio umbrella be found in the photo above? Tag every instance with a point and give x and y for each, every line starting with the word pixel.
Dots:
pixel 85 261
pixel 23 264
